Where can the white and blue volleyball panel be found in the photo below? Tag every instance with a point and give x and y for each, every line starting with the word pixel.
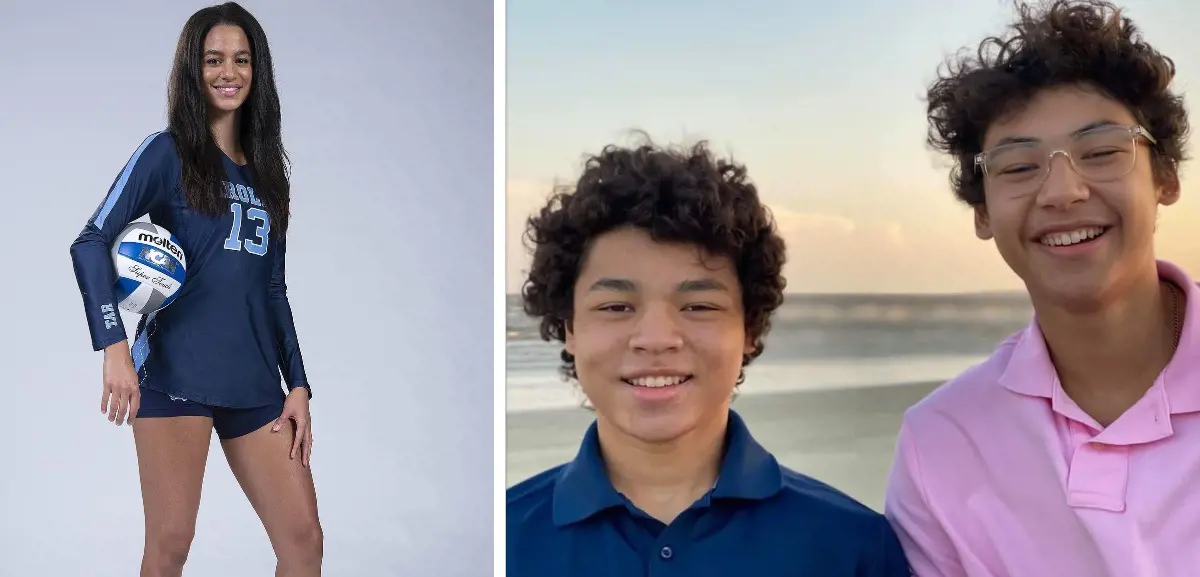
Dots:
pixel 150 266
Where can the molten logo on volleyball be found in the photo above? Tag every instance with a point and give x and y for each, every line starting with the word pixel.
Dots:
pixel 150 267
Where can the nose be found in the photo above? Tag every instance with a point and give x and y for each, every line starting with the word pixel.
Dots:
pixel 1062 186
pixel 656 331
pixel 227 70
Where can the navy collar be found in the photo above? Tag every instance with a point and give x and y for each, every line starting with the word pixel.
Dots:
pixel 583 489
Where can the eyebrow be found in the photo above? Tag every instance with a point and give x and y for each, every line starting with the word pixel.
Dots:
pixel 687 286
pixel 219 53
pixel 701 285
pixel 1074 133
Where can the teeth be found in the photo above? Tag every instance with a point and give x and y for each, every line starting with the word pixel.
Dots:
pixel 655 382
pixel 1072 237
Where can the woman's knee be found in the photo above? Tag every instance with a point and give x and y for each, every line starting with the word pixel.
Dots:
pixel 303 542
pixel 171 545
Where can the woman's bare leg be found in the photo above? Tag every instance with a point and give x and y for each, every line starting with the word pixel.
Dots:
pixel 282 493
pixel 172 452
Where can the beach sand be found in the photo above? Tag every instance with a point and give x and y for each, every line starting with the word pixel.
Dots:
pixel 842 437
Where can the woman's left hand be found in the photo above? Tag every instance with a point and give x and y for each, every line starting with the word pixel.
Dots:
pixel 295 408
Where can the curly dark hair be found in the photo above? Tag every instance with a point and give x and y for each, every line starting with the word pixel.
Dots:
pixel 1068 42
pixel 676 195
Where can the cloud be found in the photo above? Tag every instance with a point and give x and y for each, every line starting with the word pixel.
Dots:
pixel 895 235
pixel 827 251
pixel 791 222
pixel 815 228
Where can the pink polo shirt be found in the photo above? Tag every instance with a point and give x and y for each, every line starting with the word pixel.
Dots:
pixel 999 473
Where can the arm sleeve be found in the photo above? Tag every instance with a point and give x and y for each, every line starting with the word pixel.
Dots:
pixel 291 363
pixel 927 547
pixel 144 184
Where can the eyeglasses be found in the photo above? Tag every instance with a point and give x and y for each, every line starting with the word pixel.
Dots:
pixel 1099 154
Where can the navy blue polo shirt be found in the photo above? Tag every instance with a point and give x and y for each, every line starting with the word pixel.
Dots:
pixel 759 520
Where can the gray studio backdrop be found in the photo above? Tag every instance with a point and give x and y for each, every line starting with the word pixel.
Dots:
pixel 388 119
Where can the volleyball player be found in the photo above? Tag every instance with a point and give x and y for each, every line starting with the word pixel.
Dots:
pixel 212 359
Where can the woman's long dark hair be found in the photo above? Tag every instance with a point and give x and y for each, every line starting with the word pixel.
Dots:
pixel 259 126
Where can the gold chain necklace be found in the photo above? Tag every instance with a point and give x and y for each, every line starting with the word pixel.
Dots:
pixel 1176 321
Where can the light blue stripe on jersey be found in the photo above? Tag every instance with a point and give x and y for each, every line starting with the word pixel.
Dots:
pixel 119 187
pixel 141 346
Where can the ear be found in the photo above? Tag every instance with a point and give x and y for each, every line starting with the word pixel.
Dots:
pixel 983 226
pixel 569 340
pixel 1169 191
pixel 748 348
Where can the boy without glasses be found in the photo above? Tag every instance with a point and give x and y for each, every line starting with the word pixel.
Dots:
pixel 659 273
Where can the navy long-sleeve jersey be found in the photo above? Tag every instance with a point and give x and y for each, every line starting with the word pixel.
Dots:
pixel 229 334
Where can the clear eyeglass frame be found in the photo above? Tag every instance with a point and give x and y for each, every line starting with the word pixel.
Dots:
pixel 1134 132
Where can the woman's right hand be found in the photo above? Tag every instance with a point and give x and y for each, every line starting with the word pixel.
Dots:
pixel 121 395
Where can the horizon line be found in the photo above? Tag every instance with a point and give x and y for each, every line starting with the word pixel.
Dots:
pixel 1000 292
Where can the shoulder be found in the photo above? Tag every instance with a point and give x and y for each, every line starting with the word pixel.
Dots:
pixel 535 544
pixel 156 151
pixel 532 496
pixel 822 501
pixel 834 517
pixel 963 421
pixel 960 397
pixel 159 142
pixel 529 512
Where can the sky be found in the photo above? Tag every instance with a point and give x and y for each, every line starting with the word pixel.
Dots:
pixel 388 118
pixel 823 101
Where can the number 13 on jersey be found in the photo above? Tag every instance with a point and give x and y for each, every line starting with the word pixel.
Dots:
pixel 262 231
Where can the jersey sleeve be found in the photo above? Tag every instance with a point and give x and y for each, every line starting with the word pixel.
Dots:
pixel 291 363
pixel 928 548
pixel 143 184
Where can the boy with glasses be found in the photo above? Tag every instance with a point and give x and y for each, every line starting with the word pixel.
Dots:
pixel 1075 448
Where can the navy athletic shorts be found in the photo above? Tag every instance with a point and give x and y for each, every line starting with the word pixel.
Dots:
pixel 229 423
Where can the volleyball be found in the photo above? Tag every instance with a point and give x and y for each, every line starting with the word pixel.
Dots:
pixel 150 267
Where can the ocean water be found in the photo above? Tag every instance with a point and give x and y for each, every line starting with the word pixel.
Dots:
pixel 816 342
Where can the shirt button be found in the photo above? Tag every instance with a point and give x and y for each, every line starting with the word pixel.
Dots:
pixel 666 553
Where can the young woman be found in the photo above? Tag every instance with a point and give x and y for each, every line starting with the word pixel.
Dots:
pixel 217 179
pixel 1074 449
